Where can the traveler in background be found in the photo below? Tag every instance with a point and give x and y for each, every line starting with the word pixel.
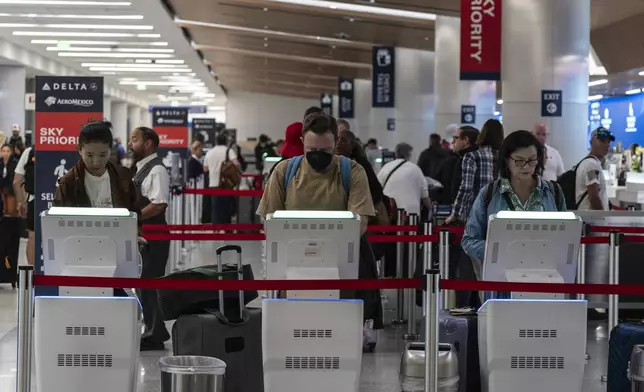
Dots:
pixel 479 168
pixel 404 182
pixel 554 164
pixel 223 207
pixel 195 162
pixel 344 125
pixel 152 184
pixel 278 146
pixel 590 183
pixel 450 172
pixel 347 146
pixel 242 165
pixel 8 163
pixel 431 158
pixel 373 152
pixel 311 110
pixel 15 136
pixel 23 187
pixel 263 149
pixel 317 184
pixel 18 148
pixel 520 187
pixel 96 181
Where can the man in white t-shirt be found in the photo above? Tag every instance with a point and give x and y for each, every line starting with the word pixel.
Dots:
pixel 590 183
pixel 554 166
pixel 404 181
pixel 222 206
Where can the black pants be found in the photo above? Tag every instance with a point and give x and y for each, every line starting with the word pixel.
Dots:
pixel 155 257
pixel 461 268
pixel 222 209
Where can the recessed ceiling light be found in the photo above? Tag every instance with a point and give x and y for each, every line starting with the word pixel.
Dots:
pixel 136 65
pixel 633 91
pixel 70 34
pixel 266 45
pixel 204 95
pixel 360 8
pixel 115 55
pixel 97 43
pixel 134 70
pixel 66 2
pixel 73 16
pixel 265 9
pixel 198 103
pixel 99 49
pixel 169 61
pixel 149 35
pixel 595 97
pixel 597 82
pixel 19 25
pixel 91 26
pixel 107 73
pixel 499 102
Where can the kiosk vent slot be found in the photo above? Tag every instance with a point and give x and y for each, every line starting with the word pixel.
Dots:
pixel 543 363
pixel 570 254
pixel 51 252
pixel 538 333
pixel 85 360
pixel 495 253
pixel 84 331
pixel 313 333
pixel 274 252
pixel 351 246
pixel 312 363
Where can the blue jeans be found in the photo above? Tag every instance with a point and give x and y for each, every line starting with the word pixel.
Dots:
pixel 222 209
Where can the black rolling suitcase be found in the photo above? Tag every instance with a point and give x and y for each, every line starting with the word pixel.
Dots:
pixel 620 345
pixel 9 249
pixel 236 339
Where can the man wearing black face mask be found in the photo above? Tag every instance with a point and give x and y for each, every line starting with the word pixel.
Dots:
pixel 319 180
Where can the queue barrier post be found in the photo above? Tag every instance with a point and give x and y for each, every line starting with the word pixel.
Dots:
pixel 25 327
pixel 400 315
pixel 614 239
pixel 443 261
pixel 411 293
pixel 427 256
pixel 432 298
pixel 581 259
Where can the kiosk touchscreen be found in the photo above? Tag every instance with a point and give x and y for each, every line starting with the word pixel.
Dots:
pixel 532 342
pixel 312 245
pixel 537 247
pixel 90 242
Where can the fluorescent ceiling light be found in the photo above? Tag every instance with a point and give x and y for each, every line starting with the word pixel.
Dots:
pixel 99 49
pixel 108 43
pixel 91 26
pixel 164 70
pixel 108 73
pixel 597 82
pixel 198 103
pixel 161 61
pixel 175 68
pixel 216 108
pixel 497 113
pixel 499 102
pixel 17 25
pixel 126 79
pixel 175 98
pixel 160 83
pixel 73 16
pixel 66 2
pixel 634 91
pixel 204 95
pixel 115 55
pixel 149 35
pixel 70 34
pixel 595 97
pixel 360 8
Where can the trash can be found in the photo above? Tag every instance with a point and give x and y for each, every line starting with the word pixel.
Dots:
pixel 192 374
pixel 636 368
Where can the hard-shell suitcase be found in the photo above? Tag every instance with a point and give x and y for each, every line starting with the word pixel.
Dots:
pixel 9 249
pixel 461 331
pixel 236 341
pixel 620 346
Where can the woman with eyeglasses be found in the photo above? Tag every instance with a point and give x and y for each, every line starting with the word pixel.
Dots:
pixel 520 187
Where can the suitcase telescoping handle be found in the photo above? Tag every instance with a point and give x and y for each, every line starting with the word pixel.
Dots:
pixel 240 276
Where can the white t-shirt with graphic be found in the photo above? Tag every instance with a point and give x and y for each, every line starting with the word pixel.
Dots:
pixel 99 190
pixel 590 172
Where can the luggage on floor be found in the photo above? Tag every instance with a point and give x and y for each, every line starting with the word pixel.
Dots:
pixel 174 303
pixel 369 337
pixel 620 346
pixel 460 329
pixel 234 336
pixel 9 249
pixel 412 368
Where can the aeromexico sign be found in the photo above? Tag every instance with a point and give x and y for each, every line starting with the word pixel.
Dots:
pixel 481 39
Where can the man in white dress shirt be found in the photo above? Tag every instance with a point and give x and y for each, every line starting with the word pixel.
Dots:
pixel 152 184
pixel 554 164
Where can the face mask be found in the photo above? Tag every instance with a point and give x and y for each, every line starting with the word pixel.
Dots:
pixel 319 160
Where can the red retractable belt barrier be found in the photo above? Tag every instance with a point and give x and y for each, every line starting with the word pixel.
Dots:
pixel 334 284
pixel 261 237
pixel 623 230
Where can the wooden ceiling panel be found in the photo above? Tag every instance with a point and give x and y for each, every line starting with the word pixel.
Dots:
pixel 607 12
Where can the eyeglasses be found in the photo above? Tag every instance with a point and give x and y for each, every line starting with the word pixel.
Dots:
pixel 522 162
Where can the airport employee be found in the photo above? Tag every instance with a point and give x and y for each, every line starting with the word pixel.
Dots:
pixel 317 183
pixel 152 184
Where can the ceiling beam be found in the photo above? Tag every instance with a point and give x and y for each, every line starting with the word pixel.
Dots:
pixel 254 79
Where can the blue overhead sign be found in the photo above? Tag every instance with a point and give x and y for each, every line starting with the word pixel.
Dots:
pixel 346 98
pixel 623 116
pixel 468 114
pixel 391 124
pixel 326 104
pixel 551 102
pixel 383 86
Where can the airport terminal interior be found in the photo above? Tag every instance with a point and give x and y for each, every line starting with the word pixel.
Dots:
pixel 475 141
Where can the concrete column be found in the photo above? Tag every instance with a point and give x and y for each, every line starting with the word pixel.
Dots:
pixel 133 117
pixel 146 119
pixel 13 82
pixel 361 122
pixel 119 120
pixel 107 107
pixel 545 47
pixel 451 92
pixel 414 111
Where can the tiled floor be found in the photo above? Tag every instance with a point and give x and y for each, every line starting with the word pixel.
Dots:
pixel 379 370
